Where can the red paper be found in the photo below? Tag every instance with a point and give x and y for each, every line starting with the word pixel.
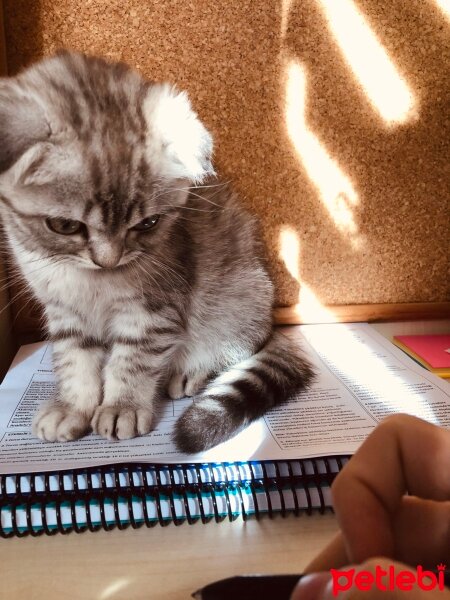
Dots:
pixel 431 348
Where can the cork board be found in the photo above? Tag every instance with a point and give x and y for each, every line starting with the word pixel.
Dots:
pixel 340 148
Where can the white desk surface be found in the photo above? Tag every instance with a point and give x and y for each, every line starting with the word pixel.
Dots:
pixel 166 563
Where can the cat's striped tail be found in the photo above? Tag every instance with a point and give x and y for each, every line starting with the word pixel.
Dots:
pixel 242 394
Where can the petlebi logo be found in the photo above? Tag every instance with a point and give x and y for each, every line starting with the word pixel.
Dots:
pixel 388 580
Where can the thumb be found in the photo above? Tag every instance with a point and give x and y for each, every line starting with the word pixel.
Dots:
pixel 375 579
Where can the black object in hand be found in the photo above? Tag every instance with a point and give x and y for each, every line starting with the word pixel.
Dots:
pixel 251 587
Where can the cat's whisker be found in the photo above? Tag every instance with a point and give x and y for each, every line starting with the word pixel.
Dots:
pixel 14 299
pixel 45 257
pixel 191 191
pixel 152 279
pixel 21 309
pixel 135 270
pixel 158 262
pixel 219 208
pixel 164 270
pixel 215 185
pixel 181 208
pixel 177 208
pixel 19 279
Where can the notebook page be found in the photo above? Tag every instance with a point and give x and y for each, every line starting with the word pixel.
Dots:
pixel 361 377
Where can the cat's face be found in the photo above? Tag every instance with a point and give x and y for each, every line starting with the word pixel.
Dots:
pixel 66 220
pixel 95 161
pixel 96 237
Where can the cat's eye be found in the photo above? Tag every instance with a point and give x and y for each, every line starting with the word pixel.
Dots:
pixel 63 226
pixel 146 223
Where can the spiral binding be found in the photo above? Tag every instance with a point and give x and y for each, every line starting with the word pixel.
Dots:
pixel 135 487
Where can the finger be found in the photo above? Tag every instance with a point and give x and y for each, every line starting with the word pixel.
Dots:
pixel 371 580
pixel 402 454
pixel 333 556
pixel 421 531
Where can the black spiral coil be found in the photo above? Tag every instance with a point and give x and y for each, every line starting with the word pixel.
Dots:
pixel 138 486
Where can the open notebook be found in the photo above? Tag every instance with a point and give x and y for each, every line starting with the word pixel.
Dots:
pixel 283 463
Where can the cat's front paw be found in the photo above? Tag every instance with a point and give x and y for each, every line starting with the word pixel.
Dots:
pixel 121 421
pixel 60 422
pixel 181 385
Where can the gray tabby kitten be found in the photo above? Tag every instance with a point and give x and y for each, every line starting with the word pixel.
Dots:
pixel 150 282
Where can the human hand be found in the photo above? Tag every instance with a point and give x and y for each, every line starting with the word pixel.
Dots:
pixel 404 454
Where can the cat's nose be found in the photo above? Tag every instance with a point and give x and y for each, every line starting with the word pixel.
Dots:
pixel 106 255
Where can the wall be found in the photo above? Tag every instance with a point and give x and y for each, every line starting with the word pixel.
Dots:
pixel 331 124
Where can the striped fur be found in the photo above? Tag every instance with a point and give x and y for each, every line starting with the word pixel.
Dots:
pixel 242 394
pixel 160 287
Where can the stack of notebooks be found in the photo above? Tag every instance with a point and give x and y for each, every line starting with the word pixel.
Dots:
pixel 282 464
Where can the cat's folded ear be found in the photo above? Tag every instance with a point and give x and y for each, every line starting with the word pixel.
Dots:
pixel 178 144
pixel 23 126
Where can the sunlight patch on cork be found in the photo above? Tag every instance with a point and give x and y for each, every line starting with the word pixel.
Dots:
pixel 444 5
pixel 335 188
pixel 289 247
pixel 383 84
pixel 285 12
pixel 309 308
